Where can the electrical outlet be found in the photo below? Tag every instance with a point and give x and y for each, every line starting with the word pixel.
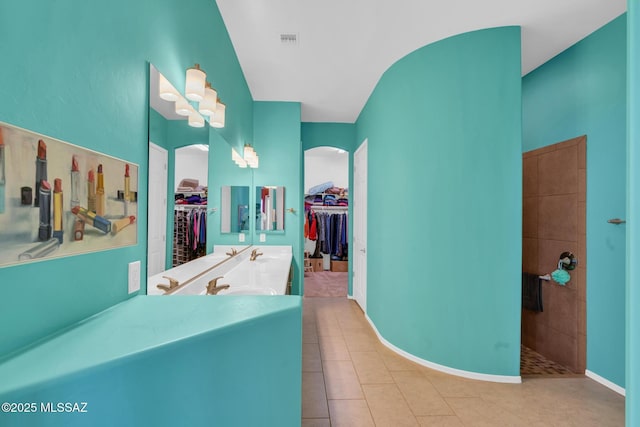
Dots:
pixel 134 276
pixel 263 237
pixel 241 237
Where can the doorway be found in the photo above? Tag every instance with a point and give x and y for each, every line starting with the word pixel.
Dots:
pixel 360 226
pixel 156 247
pixel 326 181
pixel 554 224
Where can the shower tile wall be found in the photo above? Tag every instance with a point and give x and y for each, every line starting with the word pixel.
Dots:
pixel 554 206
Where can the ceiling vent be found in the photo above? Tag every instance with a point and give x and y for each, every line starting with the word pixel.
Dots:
pixel 289 38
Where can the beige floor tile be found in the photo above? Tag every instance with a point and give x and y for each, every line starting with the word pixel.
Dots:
pixel 314 397
pixel 474 411
pixel 359 339
pixel 333 348
pixel 315 422
pixel 341 380
pixel 311 361
pixel 370 368
pixel 394 361
pixel 420 394
pixel 440 421
pixel 350 413
pixel 453 386
pixel 388 406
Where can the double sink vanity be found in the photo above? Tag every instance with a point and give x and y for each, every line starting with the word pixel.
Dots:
pixel 229 270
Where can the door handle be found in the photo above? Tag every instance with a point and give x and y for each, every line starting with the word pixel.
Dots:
pixel 363 250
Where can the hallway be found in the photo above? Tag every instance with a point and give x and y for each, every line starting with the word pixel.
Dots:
pixel 350 379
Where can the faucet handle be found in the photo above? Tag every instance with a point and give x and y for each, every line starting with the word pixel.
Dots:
pixel 214 282
pixel 173 283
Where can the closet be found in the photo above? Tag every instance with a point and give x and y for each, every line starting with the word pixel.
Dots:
pixel 189 233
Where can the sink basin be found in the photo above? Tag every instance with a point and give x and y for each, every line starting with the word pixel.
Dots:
pixel 248 290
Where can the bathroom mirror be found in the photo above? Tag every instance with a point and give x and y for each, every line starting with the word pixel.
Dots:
pixel 169 163
pixel 234 209
pixel 269 209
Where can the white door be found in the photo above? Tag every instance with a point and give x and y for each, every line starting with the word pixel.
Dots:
pixel 360 226
pixel 157 217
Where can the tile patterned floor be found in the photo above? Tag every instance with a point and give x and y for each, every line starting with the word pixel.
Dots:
pixel 350 379
pixel 533 363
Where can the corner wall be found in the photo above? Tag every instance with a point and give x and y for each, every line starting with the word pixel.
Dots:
pixel 582 91
pixel 445 202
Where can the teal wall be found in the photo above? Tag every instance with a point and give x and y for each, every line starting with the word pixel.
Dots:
pixel 583 91
pixel 633 212
pixel 223 171
pixel 339 135
pixel 277 142
pixel 445 202
pixel 79 72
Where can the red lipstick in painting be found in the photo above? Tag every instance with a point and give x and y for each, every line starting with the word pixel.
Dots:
pixel 75 182
pixel 41 170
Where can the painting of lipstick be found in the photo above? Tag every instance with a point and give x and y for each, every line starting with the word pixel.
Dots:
pixel 35 222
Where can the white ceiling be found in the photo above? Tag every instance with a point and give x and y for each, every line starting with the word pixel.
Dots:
pixel 344 46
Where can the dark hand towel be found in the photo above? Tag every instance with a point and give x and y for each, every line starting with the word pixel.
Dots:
pixel 531 292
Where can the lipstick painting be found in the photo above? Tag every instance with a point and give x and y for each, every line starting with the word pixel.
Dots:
pixel 38 221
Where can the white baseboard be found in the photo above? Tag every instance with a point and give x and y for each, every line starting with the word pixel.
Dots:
pixel 605 382
pixel 443 368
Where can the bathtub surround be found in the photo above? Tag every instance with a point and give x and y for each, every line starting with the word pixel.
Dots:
pixel 553 221
pixel 444 129
pixel 582 91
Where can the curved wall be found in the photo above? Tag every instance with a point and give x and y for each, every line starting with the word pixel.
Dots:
pixel 445 202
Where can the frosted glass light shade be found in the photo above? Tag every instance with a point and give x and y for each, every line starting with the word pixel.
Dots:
pixel 196 120
pixel 207 106
pixel 219 116
pixel 166 90
pixel 183 107
pixel 194 86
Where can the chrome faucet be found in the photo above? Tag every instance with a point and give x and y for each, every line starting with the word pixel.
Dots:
pixel 255 254
pixel 233 252
pixel 173 283
pixel 213 288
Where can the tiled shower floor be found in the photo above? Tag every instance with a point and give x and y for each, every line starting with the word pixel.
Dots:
pixel 533 363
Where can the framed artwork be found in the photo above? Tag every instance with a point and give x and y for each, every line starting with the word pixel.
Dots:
pixel 58 199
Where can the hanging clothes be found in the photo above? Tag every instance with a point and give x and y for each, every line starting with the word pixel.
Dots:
pixel 332 236
pixel 189 234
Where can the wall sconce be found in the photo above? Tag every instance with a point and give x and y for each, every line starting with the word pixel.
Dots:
pixel 197 89
pixel 249 157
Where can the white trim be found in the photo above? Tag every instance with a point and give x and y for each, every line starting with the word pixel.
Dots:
pixel 447 370
pixel 605 382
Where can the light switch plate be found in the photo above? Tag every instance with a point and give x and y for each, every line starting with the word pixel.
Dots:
pixel 134 276
pixel 263 237
pixel 241 237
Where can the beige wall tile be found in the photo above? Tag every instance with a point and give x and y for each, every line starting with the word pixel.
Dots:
pixel 563 311
pixel 530 256
pixel 530 217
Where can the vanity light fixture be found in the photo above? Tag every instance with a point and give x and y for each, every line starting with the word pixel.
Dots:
pixel 207 106
pixel 166 90
pixel 199 90
pixel 250 156
pixel 218 118
pixel 195 83
pixel 238 160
